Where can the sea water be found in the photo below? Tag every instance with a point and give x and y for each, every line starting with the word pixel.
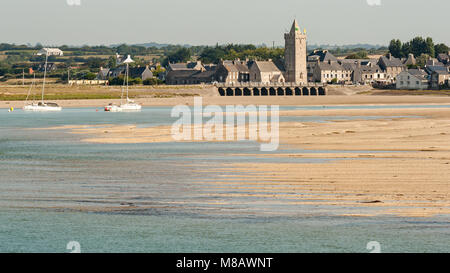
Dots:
pixel 169 197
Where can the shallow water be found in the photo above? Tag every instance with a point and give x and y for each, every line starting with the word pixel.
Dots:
pixel 173 197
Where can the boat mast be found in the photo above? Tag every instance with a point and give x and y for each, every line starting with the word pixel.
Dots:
pixel 45 73
pixel 127 81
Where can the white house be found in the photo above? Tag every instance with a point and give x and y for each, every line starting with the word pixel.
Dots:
pixel 415 79
pixel 51 52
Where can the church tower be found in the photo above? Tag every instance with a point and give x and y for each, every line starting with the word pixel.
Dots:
pixel 295 55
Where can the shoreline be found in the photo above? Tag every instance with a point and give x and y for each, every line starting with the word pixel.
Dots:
pixel 282 101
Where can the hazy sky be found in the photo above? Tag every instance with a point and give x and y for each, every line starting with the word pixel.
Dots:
pixel 207 22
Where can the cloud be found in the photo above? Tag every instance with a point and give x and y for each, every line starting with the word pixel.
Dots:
pixel 373 3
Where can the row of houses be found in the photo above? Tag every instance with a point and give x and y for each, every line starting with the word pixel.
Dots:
pixel 142 72
pixel 229 72
pixel 322 67
pixel 436 77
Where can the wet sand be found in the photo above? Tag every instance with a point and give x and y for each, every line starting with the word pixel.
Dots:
pixel 400 166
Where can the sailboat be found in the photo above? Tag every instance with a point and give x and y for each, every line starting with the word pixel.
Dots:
pixel 41 106
pixel 130 105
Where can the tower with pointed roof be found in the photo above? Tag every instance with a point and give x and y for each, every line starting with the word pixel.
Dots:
pixel 295 55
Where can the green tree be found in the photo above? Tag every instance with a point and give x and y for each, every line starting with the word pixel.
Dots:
pixel 440 48
pixel 112 62
pixel 422 60
pixel 430 47
pixel 359 55
pixel 181 55
pixel 395 48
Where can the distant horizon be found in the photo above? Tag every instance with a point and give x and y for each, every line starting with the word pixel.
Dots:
pixel 208 22
pixel 157 44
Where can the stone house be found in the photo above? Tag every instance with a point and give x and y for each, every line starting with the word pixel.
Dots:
pixel 233 71
pixel 143 73
pixel 414 79
pixel 266 72
pixel 186 77
pixel 326 72
pixel 103 74
pixel 440 78
pixel 444 58
pixel 197 66
pixel 371 73
pixel 315 57
pixel 392 66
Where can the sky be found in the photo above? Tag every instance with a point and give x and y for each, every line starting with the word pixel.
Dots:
pixel 207 22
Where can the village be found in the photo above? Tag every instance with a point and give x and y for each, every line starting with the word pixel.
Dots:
pixel 295 65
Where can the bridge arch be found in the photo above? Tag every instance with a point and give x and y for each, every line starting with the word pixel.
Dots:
pixel 230 92
pixel 247 92
pixel 305 91
pixel 221 91
pixel 289 91
pixel 322 91
pixel 264 92
pixel 256 92
pixel 272 91
pixel 313 91
pixel 238 92
pixel 280 91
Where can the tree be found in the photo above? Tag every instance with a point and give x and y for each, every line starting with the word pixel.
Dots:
pixel 422 60
pixel 395 48
pixel 430 47
pixel 90 76
pixel 112 62
pixel 180 56
pixel 359 55
pixel 441 48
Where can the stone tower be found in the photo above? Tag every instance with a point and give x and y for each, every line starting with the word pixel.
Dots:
pixel 295 55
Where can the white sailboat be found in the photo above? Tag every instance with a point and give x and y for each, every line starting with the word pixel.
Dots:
pixel 130 105
pixel 41 106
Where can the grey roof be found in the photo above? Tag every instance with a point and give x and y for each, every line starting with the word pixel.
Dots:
pixel 434 62
pixel 136 72
pixel 181 73
pixel 322 55
pixel 178 66
pixel 433 68
pixel 349 66
pixel 442 72
pixel 419 73
pixel 330 66
pixel 391 61
pixel 371 68
pixel 266 66
pixel 204 74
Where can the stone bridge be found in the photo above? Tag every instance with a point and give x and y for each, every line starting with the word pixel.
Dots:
pixel 257 89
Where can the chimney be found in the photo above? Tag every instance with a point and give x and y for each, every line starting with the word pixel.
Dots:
pixel 389 56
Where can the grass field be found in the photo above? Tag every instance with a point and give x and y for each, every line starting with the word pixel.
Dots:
pixel 64 92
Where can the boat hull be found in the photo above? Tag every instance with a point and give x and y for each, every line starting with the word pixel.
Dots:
pixel 42 108
pixel 123 108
